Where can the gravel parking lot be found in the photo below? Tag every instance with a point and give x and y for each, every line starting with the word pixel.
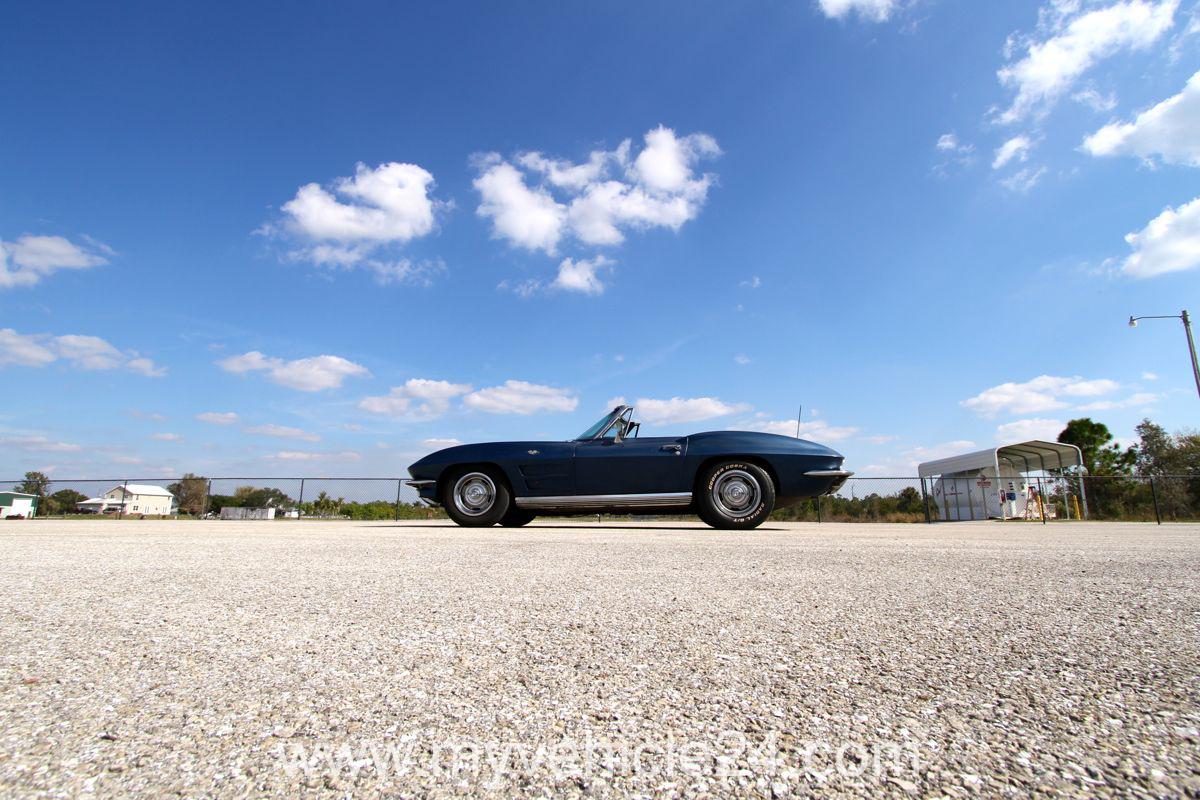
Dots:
pixel 261 658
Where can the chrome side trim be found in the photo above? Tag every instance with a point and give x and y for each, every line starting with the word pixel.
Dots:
pixel 418 484
pixel 664 500
pixel 828 473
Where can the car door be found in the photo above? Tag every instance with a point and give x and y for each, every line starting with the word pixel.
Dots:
pixel 544 469
pixel 653 465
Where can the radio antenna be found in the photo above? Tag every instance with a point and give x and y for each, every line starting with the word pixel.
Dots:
pixel 799 414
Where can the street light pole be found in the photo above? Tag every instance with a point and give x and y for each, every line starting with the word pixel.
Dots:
pixel 1187 328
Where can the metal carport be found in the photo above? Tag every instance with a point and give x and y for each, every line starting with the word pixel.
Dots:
pixel 995 473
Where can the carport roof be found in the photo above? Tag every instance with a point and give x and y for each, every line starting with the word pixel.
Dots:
pixel 1045 455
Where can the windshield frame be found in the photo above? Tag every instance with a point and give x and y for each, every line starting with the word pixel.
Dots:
pixel 601 426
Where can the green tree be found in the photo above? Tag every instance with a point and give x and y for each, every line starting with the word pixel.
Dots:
pixel 267 497
pixel 191 493
pixel 35 483
pixel 64 501
pixel 1101 455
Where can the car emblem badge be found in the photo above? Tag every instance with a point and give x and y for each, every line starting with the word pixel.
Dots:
pixel 533 452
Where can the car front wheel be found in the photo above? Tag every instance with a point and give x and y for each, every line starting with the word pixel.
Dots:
pixel 735 495
pixel 476 498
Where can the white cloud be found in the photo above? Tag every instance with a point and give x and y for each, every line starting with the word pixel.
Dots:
pixel 678 410
pixel 299 455
pixel 598 201
pixel 741 359
pixel 1023 180
pixel 218 417
pixel 872 10
pixel 1149 376
pixel 1169 130
pixel 949 143
pixel 1017 147
pixel 440 443
pixel 1022 430
pixel 956 154
pixel 1169 243
pixel 418 398
pixel 1070 41
pixel 378 209
pixel 817 430
pixel 304 374
pixel 519 397
pixel 406 271
pixel 529 218
pixel 905 462
pixel 1094 100
pixel 1043 393
pixel 82 352
pixel 38 444
pixel 1133 401
pixel 581 275
pixel 753 282
pixel 27 260
pixel 166 437
pixel 283 432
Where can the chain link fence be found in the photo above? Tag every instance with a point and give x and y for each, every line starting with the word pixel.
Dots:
pixel 1052 498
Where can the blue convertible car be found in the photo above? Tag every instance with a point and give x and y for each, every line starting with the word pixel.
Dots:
pixel 732 479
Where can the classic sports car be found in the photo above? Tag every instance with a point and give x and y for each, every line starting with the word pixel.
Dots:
pixel 731 479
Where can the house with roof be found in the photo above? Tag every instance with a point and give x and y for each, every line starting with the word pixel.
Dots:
pixel 132 498
pixel 18 504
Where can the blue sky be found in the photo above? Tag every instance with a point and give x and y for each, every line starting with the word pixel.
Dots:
pixel 323 239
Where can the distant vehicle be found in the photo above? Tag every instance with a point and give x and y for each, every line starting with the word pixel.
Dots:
pixel 731 479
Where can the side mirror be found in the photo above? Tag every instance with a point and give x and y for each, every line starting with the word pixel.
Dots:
pixel 634 429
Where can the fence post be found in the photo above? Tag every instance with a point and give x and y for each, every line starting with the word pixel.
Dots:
pixel 399 483
pixel 925 503
pixel 1154 494
pixel 204 503
pixel 818 508
pixel 300 502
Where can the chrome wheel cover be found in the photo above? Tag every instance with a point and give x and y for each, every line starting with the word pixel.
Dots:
pixel 474 494
pixel 736 492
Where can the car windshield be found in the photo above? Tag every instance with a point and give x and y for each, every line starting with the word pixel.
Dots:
pixel 594 431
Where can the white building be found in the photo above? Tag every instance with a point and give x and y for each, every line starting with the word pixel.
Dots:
pixel 1015 481
pixel 17 504
pixel 238 512
pixel 134 498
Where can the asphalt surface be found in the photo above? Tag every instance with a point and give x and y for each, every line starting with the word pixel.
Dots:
pixel 282 658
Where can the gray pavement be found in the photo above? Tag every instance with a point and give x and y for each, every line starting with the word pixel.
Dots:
pixel 337 658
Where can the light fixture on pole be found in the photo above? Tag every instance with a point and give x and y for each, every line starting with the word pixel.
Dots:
pixel 1187 328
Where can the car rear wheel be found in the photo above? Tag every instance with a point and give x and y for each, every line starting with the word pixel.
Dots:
pixel 515 518
pixel 476 498
pixel 735 495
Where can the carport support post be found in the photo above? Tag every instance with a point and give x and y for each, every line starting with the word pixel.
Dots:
pixel 1041 500
pixel 1154 494
pixel 124 498
pixel 399 483
pixel 925 503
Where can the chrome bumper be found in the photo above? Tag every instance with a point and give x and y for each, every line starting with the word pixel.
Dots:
pixel 840 476
pixel 426 490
